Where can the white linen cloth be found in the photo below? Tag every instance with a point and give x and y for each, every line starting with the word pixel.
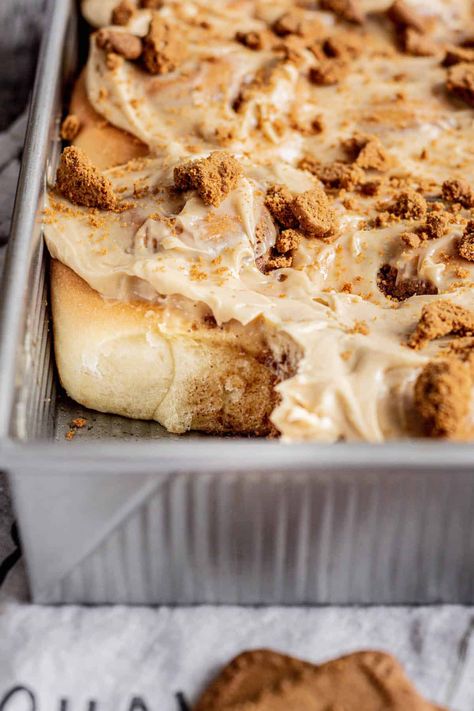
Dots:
pixel 117 659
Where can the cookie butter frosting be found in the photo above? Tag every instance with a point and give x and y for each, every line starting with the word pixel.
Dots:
pixel 361 112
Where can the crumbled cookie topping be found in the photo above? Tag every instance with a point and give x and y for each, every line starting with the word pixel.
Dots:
pixel 400 289
pixel 460 82
pixel 163 48
pixel 273 260
pixel 213 177
pixel 343 46
pixel 403 16
pixel 278 202
pixel 417 44
pixel 411 239
pixel 124 44
pixel 254 39
pixel 439 319
pixel 408 205
pixel 288 240
pixel 314 213
pixel 335 175
pixel 458 55
pixel 328 72
pixel 436 225
pixel 290 23
pixel 442 397
pixel 458 191
pixel 81 183
pixel 294 22
pixel 368 153
pixel 466 243
pixel 70 127
pixel 349 10
pixel 151 4
pixel 123 12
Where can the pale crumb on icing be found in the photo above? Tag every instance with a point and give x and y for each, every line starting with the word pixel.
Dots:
pixel 460 82
pixel 213 178
pixel 314 213
pixel 124 44
pixel 70 127
pixel 439 319
pixel 81 183
pixel 349 10
pixel 123 12
pixel 114 61
pixel 163 46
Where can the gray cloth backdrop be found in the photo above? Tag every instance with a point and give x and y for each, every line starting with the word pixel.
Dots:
pixel 118 659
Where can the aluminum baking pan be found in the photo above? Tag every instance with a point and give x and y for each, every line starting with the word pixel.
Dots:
pixel 128 514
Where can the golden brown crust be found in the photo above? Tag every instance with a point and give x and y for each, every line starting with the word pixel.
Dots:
pixel 126 358
pixel 103 143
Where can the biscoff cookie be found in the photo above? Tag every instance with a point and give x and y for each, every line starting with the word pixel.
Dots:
pixel 247 676
pixel 364 680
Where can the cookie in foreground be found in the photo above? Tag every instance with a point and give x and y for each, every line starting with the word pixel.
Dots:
pixel 263 680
